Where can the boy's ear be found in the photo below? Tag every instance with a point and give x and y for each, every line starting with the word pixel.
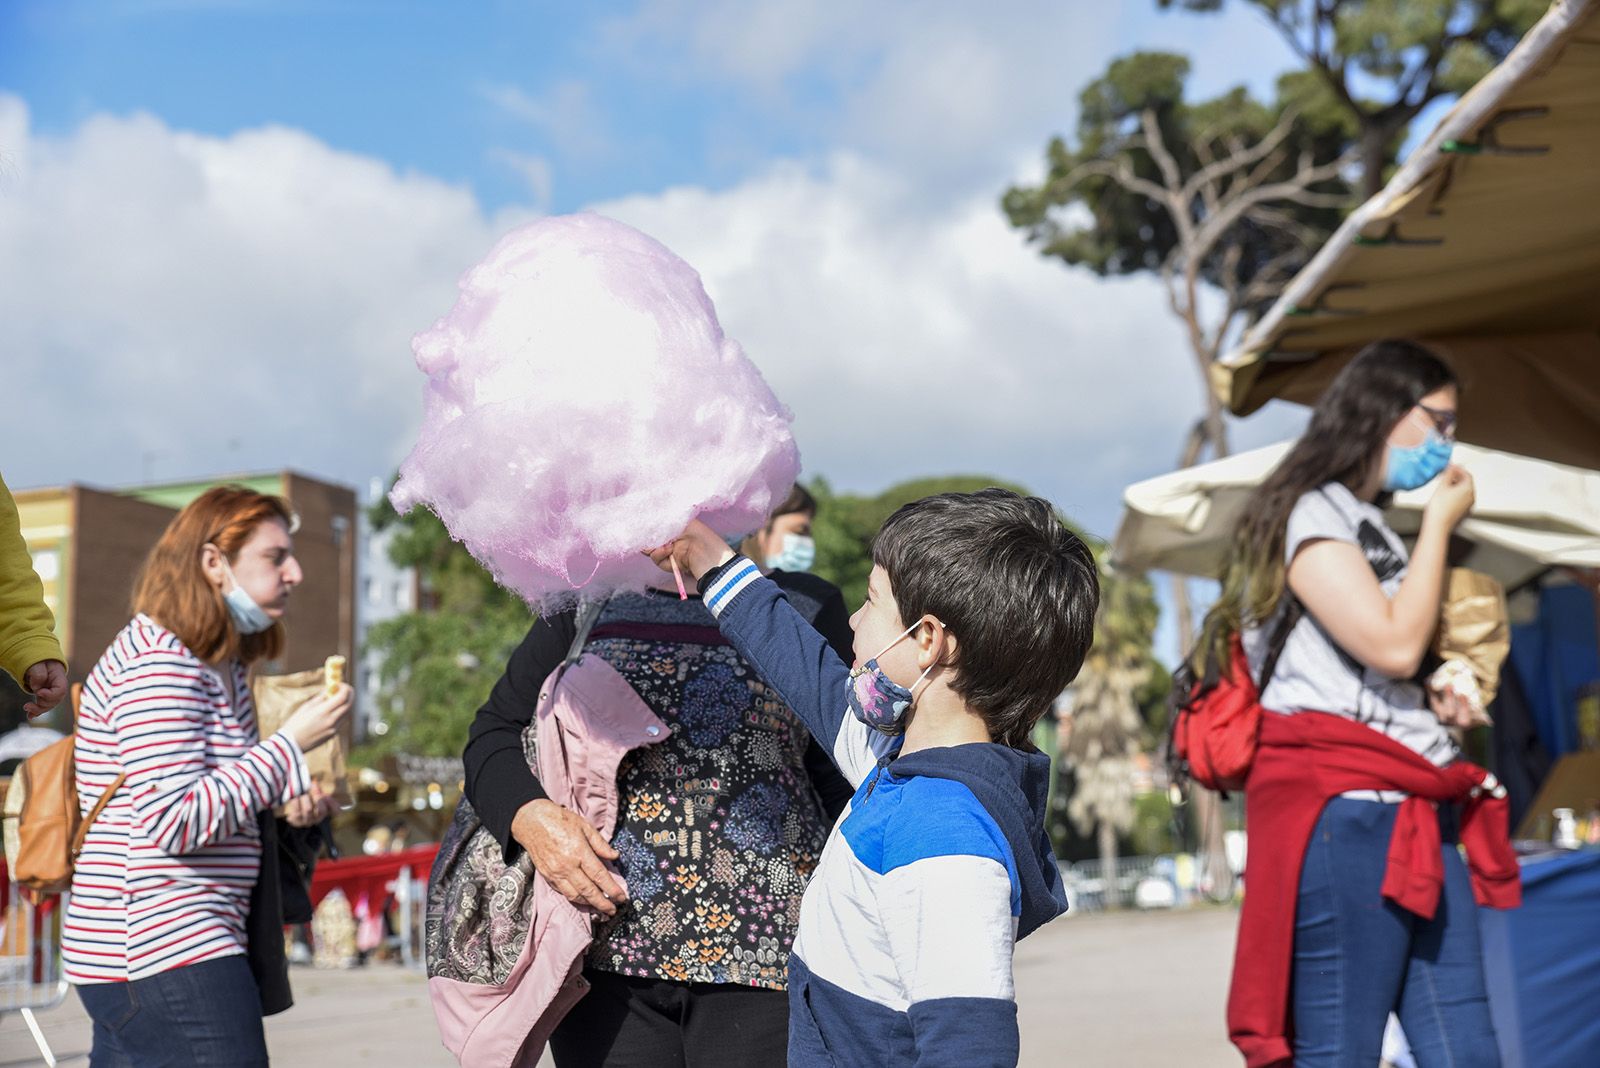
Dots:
pixel 935 644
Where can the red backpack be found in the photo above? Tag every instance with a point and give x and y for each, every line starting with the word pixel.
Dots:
pixel 1216 718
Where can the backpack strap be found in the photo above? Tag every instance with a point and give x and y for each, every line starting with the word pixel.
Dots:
pixel 82 832
pixel 94 814
pixel 587 615
pixel 1293 612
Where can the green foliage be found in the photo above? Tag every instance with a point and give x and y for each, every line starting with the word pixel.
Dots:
pixel 1121 226
pixel 440 663
pixel 846 523
pixel 1382 61
pixel 1153 832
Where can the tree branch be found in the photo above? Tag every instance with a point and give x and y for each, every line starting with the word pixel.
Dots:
pixel 1241 157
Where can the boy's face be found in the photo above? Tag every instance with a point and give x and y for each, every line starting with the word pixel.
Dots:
pixel 877 624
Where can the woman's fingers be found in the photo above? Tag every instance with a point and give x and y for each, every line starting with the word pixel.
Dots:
pixel 602 847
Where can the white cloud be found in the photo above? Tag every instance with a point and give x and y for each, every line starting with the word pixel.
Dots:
pixel 566 114
pixel 166 292
pixel 911 344
pixel 952 92
pixel 535 172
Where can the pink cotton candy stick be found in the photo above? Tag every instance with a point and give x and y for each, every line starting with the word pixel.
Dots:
pixel 677 574
pixel 582 401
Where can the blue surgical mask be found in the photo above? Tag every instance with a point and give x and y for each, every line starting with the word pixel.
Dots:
pixel 248 616
pixel 876 699
pixel 798 554
pixel 1407 468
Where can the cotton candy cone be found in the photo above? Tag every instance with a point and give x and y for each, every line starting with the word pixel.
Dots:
pixel 582 404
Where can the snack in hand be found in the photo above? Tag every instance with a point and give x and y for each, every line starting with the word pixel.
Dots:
pixel 333 674
pixel 1459 678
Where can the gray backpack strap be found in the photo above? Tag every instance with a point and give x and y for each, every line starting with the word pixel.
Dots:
pixel 588 614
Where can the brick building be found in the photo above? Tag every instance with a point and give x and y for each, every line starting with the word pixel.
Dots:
pixel 88 544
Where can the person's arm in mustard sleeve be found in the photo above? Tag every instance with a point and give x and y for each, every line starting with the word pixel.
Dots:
pixel 28 644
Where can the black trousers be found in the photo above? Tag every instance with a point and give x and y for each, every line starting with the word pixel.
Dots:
pixel 625 1022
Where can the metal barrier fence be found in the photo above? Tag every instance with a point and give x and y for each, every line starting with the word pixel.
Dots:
pixel 1162 882
pixel 30 958
pixel 410 905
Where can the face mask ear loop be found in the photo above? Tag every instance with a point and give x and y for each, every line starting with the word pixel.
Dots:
pixel 926 673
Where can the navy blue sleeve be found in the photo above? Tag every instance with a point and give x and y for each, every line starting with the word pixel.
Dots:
pixel 795 660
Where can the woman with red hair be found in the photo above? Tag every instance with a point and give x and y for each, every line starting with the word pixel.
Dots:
pixel 155 927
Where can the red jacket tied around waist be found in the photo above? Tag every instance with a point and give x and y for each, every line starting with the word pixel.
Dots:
pixel 1303 761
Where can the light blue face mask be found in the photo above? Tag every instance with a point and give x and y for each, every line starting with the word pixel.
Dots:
pixel 798 554
pixel 1418 465
pixel 248 616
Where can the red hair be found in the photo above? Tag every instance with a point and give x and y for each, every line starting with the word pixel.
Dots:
pixel 173 589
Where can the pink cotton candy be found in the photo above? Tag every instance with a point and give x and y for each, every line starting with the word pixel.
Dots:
pixel 583 405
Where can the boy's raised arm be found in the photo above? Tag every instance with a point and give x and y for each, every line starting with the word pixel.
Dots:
pixel 795 660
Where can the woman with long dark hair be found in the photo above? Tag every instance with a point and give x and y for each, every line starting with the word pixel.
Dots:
pixel 1339 617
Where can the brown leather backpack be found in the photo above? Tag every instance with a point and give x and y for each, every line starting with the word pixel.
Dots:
pixel 44 828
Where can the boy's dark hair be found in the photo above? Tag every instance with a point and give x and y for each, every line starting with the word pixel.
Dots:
pixel 1017 589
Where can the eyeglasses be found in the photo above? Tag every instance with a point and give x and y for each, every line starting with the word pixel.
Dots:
pixel 1443 421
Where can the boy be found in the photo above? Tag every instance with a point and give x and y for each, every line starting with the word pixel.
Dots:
pixel 29 651
pixel 980 608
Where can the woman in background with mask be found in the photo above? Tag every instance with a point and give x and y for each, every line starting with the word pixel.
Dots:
pixel 154 937
pixel 785 543
pixel 1319 582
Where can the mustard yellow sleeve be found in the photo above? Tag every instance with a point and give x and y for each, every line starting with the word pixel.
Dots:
pixel 27 629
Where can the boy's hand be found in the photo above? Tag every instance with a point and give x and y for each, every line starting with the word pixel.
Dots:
pixel 47 681
pixel 698 550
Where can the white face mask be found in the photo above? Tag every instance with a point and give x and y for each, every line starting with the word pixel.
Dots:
pixel 248 616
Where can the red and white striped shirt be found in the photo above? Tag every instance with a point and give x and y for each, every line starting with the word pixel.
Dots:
pixel 165 875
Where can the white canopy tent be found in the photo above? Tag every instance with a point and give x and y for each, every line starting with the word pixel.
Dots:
pixel 1531 515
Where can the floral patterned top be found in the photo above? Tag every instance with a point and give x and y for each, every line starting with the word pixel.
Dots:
pixel 718 828
pixel 720 825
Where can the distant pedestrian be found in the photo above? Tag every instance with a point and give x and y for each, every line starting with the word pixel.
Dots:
pixel 1349 860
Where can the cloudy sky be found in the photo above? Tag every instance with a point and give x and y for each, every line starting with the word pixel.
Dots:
pixel 221 222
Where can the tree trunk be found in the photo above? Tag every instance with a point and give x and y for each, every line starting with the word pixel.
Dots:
pixel 1209 814
pixel 1108 865
pixel 1374 154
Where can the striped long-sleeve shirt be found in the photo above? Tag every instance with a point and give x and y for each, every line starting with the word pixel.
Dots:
pixel 165 875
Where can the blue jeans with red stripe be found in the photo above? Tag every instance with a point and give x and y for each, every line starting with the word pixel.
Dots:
pixel 205 1015
pixel 1359 957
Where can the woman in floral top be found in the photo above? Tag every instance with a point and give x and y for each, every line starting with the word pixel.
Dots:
pixel 720 827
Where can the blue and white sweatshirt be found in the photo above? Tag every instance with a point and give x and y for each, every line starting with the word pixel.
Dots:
pixel 937 866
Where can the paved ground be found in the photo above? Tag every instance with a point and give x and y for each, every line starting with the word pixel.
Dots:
pixel 1126 989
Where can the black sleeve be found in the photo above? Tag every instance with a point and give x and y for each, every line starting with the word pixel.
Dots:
pixel 498 780
pixel 832 621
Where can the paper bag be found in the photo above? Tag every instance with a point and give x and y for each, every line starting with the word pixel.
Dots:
pixel 277 698
pixel 1474 627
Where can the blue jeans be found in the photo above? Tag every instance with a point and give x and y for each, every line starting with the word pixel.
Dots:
pixel 206 1015
pixel 1359 957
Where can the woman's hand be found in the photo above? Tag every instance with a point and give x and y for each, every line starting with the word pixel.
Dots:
pixel 1453 499
pixel 309 809
pixel 1453 710
pixel 569 854
pixel 698 549
pixel 317 721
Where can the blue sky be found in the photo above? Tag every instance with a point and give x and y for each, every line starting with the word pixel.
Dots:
pixel 459 91
pixel 221 222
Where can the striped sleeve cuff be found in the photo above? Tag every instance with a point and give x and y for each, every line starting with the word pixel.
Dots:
pixel 720 587
pixel 298 779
